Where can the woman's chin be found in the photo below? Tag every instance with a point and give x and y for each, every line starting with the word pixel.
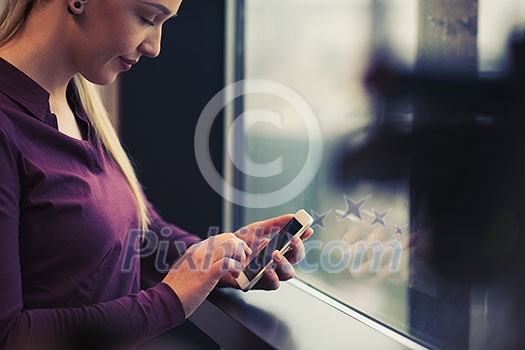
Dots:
pixel 105 79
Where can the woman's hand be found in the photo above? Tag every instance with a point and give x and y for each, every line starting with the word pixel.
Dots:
pixel 255 235
pixel 201 267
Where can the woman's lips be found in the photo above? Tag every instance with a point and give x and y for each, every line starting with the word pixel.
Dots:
pixel 127 63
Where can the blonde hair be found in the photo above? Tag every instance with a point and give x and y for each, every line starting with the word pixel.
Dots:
pixel 12 18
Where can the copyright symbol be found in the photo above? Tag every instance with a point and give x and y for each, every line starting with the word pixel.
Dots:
pixel 243 162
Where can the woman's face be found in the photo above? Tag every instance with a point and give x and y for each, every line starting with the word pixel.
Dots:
pixel 112 35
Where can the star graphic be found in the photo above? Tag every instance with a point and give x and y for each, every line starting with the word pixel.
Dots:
pixel 399 230
pixel 353 208
pixel 319 218
pixel 379 218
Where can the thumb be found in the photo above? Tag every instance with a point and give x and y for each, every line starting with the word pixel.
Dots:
pixel 273 225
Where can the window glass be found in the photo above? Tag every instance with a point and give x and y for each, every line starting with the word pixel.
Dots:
pixel 321 50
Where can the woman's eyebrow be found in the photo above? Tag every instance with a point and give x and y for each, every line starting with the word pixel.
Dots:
pixel 161 7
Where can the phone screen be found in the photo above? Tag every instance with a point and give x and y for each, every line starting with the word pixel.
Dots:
pixel 276 243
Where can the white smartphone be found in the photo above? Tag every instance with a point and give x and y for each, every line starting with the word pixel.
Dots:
pixel 281 242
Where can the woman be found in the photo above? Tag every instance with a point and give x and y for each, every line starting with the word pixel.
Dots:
pixel 69 197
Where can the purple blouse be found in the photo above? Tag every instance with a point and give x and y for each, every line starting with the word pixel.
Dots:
pixel 66 214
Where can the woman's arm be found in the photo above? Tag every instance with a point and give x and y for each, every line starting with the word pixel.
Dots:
pixel 125 321
pixel 129 319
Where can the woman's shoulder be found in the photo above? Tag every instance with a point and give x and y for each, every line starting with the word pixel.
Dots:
pixel 14 119
pixel 18 109
pixel 8 135
pixel 8 114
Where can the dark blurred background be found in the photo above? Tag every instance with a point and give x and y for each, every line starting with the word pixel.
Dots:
pixel 160 103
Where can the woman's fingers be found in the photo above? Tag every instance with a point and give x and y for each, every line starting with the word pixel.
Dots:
pixel 226 245
pixel 283 267
pixel 272 278
pixel 307 234
pixel 269 281
pixel 265 227
pixel 256 234
pixel 296 252
pixel 226 265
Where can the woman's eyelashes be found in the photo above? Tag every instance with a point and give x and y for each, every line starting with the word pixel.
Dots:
pixel 150 22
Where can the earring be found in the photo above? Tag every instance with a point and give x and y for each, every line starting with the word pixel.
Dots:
pixel 77 5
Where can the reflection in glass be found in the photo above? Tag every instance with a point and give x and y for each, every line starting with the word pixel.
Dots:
pixel 374 263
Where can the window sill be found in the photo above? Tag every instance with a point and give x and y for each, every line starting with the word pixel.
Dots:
pixel 293 317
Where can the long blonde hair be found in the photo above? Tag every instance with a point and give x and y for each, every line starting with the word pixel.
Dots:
pixel 12 18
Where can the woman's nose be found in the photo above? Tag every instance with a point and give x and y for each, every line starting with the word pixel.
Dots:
pixel 151 45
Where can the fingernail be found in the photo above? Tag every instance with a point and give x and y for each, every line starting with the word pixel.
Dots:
pixel 278 257
pixel 238 265
pixel 286 268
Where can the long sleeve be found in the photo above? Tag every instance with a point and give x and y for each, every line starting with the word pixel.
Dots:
pixel 126 321
pixel 66 215
pixel 170 243
pixel 130 319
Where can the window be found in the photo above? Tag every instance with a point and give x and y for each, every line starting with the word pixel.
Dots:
pixel 321 50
